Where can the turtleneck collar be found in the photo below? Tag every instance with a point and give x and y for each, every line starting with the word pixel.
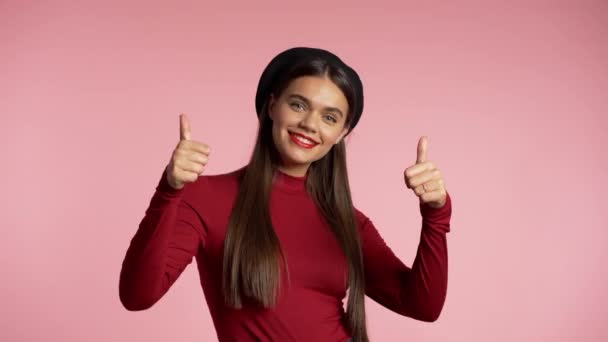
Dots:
pixel 289 183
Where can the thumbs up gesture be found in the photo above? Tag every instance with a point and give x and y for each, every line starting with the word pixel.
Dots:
pixel 425 179
pixel 189 157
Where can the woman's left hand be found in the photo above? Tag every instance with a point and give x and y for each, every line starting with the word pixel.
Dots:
pixel 425 179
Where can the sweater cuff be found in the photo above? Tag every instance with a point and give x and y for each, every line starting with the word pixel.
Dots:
pixel 437 214
pixel 165 188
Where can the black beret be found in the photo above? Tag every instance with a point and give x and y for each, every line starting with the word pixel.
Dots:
pixel 281 63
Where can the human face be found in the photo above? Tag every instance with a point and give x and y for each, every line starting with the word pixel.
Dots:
pixel 313 107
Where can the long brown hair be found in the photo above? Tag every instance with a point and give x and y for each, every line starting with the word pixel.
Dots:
pixel 251 262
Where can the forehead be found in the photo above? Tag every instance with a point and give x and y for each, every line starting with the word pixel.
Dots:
pixel 322 92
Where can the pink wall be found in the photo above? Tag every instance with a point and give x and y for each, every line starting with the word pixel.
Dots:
pixel 513 98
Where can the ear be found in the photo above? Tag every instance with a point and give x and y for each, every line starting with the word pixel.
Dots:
pixel 271 102
pixel 344 131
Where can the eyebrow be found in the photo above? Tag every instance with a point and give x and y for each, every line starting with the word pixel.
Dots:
pixel 333 109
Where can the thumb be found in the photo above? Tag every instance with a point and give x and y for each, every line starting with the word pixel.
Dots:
pixel 422 146
pixel 184 127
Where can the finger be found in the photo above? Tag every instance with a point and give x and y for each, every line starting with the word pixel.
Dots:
pixel 421 154
pixel 198 147
pixel 432 196
pixel 183 156
pixel 188 176
pixel 418 168
pixel 427 187
pixel 198 158
pixel 191 166
pixel 424 177
pixel 184 127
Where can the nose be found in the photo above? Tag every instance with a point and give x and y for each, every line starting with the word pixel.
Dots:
pixel 310 122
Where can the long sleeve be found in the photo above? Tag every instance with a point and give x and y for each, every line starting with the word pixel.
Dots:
pixel 418 292
pixel 168 237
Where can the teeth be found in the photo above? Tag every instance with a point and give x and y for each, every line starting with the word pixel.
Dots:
pixel 304 140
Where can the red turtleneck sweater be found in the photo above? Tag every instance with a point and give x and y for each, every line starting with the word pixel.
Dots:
pixel 191 222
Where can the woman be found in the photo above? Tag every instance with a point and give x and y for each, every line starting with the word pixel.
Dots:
pixel 278 242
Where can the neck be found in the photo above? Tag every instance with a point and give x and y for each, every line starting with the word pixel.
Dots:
pixel 295 171
pixel 289 183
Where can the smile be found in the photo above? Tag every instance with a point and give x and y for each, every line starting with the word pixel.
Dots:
pixel 303 142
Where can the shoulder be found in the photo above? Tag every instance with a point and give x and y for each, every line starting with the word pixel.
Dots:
pixel 220 185
pixel 226 179
pixel 361 218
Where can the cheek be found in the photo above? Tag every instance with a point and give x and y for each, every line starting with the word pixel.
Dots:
pixel 276 133
pixel 279 134
pixel 330 135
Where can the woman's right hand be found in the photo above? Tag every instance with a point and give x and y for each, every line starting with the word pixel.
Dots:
pixel 189 157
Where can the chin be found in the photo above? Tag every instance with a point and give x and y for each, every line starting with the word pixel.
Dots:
pixel 294 158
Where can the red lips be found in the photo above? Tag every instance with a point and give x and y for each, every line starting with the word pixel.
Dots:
pixel 301 143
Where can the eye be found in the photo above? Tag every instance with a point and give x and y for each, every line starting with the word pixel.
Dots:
pixel 297 104
pixel 331 117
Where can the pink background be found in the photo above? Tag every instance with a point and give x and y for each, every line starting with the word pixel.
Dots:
pixel 513 97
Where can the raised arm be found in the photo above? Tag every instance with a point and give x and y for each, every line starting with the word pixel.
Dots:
pixel 168 237
pixel 171 231
pixel 418 292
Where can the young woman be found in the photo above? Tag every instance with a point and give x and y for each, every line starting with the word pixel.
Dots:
pixel 278 242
